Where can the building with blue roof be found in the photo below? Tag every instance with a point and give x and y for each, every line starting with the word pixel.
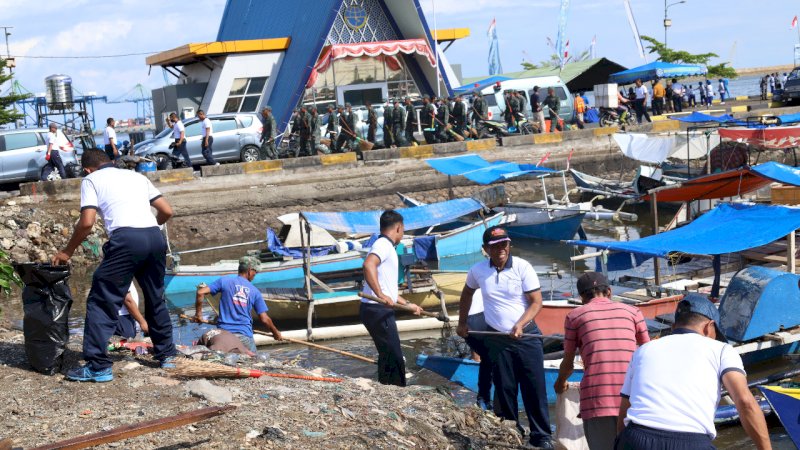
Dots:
pixel 284 54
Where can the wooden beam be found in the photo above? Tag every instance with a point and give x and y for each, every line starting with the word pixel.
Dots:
pixel 129 431
pixel 791 265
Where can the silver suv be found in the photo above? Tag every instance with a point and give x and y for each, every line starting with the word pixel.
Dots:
pixel 22 155
pixel 237 137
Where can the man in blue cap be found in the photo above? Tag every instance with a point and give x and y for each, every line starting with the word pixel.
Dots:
pixel 672 386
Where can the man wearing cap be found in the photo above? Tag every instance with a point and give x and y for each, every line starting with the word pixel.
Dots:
pixel 411 122
pixel 268 131
pixel 428 118
pixel 672 387
pixel 238 297
pixel 479 110
pixel 331 128
pixel 372 122
pixel 380 280
pixel 459 115
pixel 347 126
pixel 606 333
pixel 398 124
pixel 388 118
pixel 511 300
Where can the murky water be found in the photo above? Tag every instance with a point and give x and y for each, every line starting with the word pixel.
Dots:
pixel 544 256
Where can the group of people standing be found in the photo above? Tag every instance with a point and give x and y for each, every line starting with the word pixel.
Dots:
pixel 672 97
pixel 772 82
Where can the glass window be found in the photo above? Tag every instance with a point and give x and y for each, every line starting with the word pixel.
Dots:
pixel 245 94
pixel 794 74
pixel 220 125
pixel 192 129
pixel 16 141
pixel 491 100
pixel 560 93
pixel 246 121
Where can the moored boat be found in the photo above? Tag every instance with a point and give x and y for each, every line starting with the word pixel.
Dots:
pixel 786 404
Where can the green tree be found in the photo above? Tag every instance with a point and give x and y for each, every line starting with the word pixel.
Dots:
pixel 669 55
pixel 8 113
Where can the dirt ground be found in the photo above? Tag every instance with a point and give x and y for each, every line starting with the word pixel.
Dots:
pixel 270 412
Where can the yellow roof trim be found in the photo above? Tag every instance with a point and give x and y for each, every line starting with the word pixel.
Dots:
pixel 450 34
pixel 187 53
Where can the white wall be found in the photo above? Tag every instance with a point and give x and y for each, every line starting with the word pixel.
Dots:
pixel 239 66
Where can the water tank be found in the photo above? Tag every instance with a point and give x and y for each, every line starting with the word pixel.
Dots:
pixel 59 92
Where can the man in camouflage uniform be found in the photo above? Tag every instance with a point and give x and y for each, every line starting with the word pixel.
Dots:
pixel 268 131
pixel 399 124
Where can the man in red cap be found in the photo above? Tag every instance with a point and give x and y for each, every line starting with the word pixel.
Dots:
pixel 511 300
pixel 606 333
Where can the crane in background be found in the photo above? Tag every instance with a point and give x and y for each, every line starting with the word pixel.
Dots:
pixel 143 101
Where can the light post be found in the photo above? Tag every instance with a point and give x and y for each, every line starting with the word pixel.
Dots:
pixel 8 50
pixel 667 21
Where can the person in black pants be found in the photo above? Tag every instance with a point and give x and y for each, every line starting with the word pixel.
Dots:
pixel 380 276
pixel 135 249
pixel 477 322
pixel 179 134
pixel 55 144
pixel 207 133
pixel 511 300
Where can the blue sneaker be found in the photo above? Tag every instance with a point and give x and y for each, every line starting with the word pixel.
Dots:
pixel 168 362
pixel 85 373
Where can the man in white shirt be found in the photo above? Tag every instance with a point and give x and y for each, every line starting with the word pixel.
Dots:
pixel 130 316
pixel 206 131
pixel 110 139
pixel 179 134
pixel 511 300
pixel 672 386
pixel 56 143
pixel 677 95
pixel 640 104
pixel 135 249
pixel 381 276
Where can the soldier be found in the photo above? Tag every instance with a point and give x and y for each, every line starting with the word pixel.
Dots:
pixel 459 115
pixel 305 133
pixel 479 109
pixel 388 117
pixel 331 129
pixel 268 130
pixel 411 122
pixel 372 122
pixel 442 121
pixel 523 103
pixel 427 119
pixel 398 124
pixel 347 124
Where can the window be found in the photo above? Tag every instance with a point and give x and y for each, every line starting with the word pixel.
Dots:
pixel 245 94
pixel 192 129
pixel 246 121
pixel 220 125
pixel 561 93
pixel 16 141
pixel 491 100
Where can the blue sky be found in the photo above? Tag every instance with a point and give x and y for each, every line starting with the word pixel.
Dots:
pixel 737 30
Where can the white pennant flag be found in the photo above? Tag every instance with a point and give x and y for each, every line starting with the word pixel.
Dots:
pixel 635 29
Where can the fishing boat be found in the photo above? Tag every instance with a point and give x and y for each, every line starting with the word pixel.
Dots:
pixel 282 261
pixel 547 219
pixel 786 404
pixel 646 178
pixel 464 372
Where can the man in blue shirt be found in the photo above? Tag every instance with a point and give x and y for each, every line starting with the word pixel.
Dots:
pixel 238 297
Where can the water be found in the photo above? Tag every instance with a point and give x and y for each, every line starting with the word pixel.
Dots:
pixel 544 256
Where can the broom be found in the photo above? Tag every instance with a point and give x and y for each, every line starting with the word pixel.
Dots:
pixel 190 368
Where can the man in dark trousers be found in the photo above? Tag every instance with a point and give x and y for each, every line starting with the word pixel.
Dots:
pixel 305 133
pixel 347 126
pixel 331 128
pixel 388 117
pixel 459 115
pixel 479 109
pixel 442 121
pixel 179 135
pixel 372 122
pixel 268 131
pixel 511 300
pixel 399 124
pixel 135 249
pixel 411 122
pixel 554 106
pixel 380 276
pixel 428 118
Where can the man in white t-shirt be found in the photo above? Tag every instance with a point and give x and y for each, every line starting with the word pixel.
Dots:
pixel 640 103
pixel 179 134
pixel 672 386
pixel 136 248
pixel 130 316
pixel 381 277
pixel 110 139
pixel 511 300
pixel 56 143
pixel 207 133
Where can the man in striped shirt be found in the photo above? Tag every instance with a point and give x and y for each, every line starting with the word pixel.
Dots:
pixel 607 334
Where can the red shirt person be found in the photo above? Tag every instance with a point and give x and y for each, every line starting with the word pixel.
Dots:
pixel 606 333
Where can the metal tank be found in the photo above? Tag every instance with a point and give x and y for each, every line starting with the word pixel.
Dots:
pixel 59 92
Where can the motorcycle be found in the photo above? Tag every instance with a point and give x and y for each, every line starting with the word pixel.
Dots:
pixel 610 117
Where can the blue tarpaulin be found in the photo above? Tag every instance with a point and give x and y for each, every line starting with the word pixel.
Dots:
pixel 479 85
pixel 424 216
pixel 477 169
pixel 698 117
pixel 657 69
pixel 789 118
pixel 728 228
pixel 778 172
pixel 276 246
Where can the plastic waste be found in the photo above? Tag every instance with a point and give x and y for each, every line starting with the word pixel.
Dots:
pixel 262 356
pixel 46 302
pixel 231 359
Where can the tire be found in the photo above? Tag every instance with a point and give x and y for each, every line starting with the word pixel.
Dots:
pixel 250 153
pixel 74 170
pixel 605 122
pixel 163 161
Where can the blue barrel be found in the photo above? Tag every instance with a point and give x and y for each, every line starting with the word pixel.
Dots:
pixel 148 166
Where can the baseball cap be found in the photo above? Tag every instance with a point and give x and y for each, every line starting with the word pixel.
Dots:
pixel 591 280
pixel 700 304
pixel 495 235
pixel 249 262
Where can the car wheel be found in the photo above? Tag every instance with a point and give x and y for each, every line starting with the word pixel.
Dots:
pixel 74 170
pixel 250 153
pixel 52 175
pixel 163 162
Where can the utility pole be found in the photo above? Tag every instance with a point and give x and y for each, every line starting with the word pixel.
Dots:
pixel 8 49
pixel 667 20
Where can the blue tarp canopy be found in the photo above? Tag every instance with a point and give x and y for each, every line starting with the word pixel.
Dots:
pixel 728 228
pixel 789 118
pixel 657 69
pixel 778 172
pixel 477 169
pixel 698 117
pixel 414 218
pixel 479 85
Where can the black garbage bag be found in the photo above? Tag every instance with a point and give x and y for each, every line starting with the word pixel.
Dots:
pixel 46 301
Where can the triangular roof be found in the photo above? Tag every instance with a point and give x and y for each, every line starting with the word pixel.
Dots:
pixel 578 76
pixel 309 24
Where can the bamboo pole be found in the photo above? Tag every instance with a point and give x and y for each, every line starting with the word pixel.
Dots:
pixel 654 210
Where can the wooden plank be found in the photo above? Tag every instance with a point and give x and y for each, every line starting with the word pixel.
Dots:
pixel 129 431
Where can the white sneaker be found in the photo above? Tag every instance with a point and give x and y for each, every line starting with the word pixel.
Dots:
pixel 216 164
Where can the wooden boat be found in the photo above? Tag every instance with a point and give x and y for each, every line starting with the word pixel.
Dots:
pixel 786 404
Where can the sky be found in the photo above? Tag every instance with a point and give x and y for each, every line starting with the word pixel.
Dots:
pixel 739 32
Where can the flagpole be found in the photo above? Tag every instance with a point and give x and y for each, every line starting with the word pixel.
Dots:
pixel 436 52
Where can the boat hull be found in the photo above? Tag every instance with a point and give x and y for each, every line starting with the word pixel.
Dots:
pixel 535 222
pixel 465 240
pixel 786 404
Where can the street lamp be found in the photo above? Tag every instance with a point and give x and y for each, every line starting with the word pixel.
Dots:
pixel 667 21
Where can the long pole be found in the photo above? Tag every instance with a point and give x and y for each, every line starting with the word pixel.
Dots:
pixel 436 51
pixel 8 49
pixel 665 23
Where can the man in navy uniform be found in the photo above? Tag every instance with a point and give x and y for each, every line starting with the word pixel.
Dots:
pixel 135 249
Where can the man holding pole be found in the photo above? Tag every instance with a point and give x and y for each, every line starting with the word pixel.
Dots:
pixel 380 276
pixel 511 301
